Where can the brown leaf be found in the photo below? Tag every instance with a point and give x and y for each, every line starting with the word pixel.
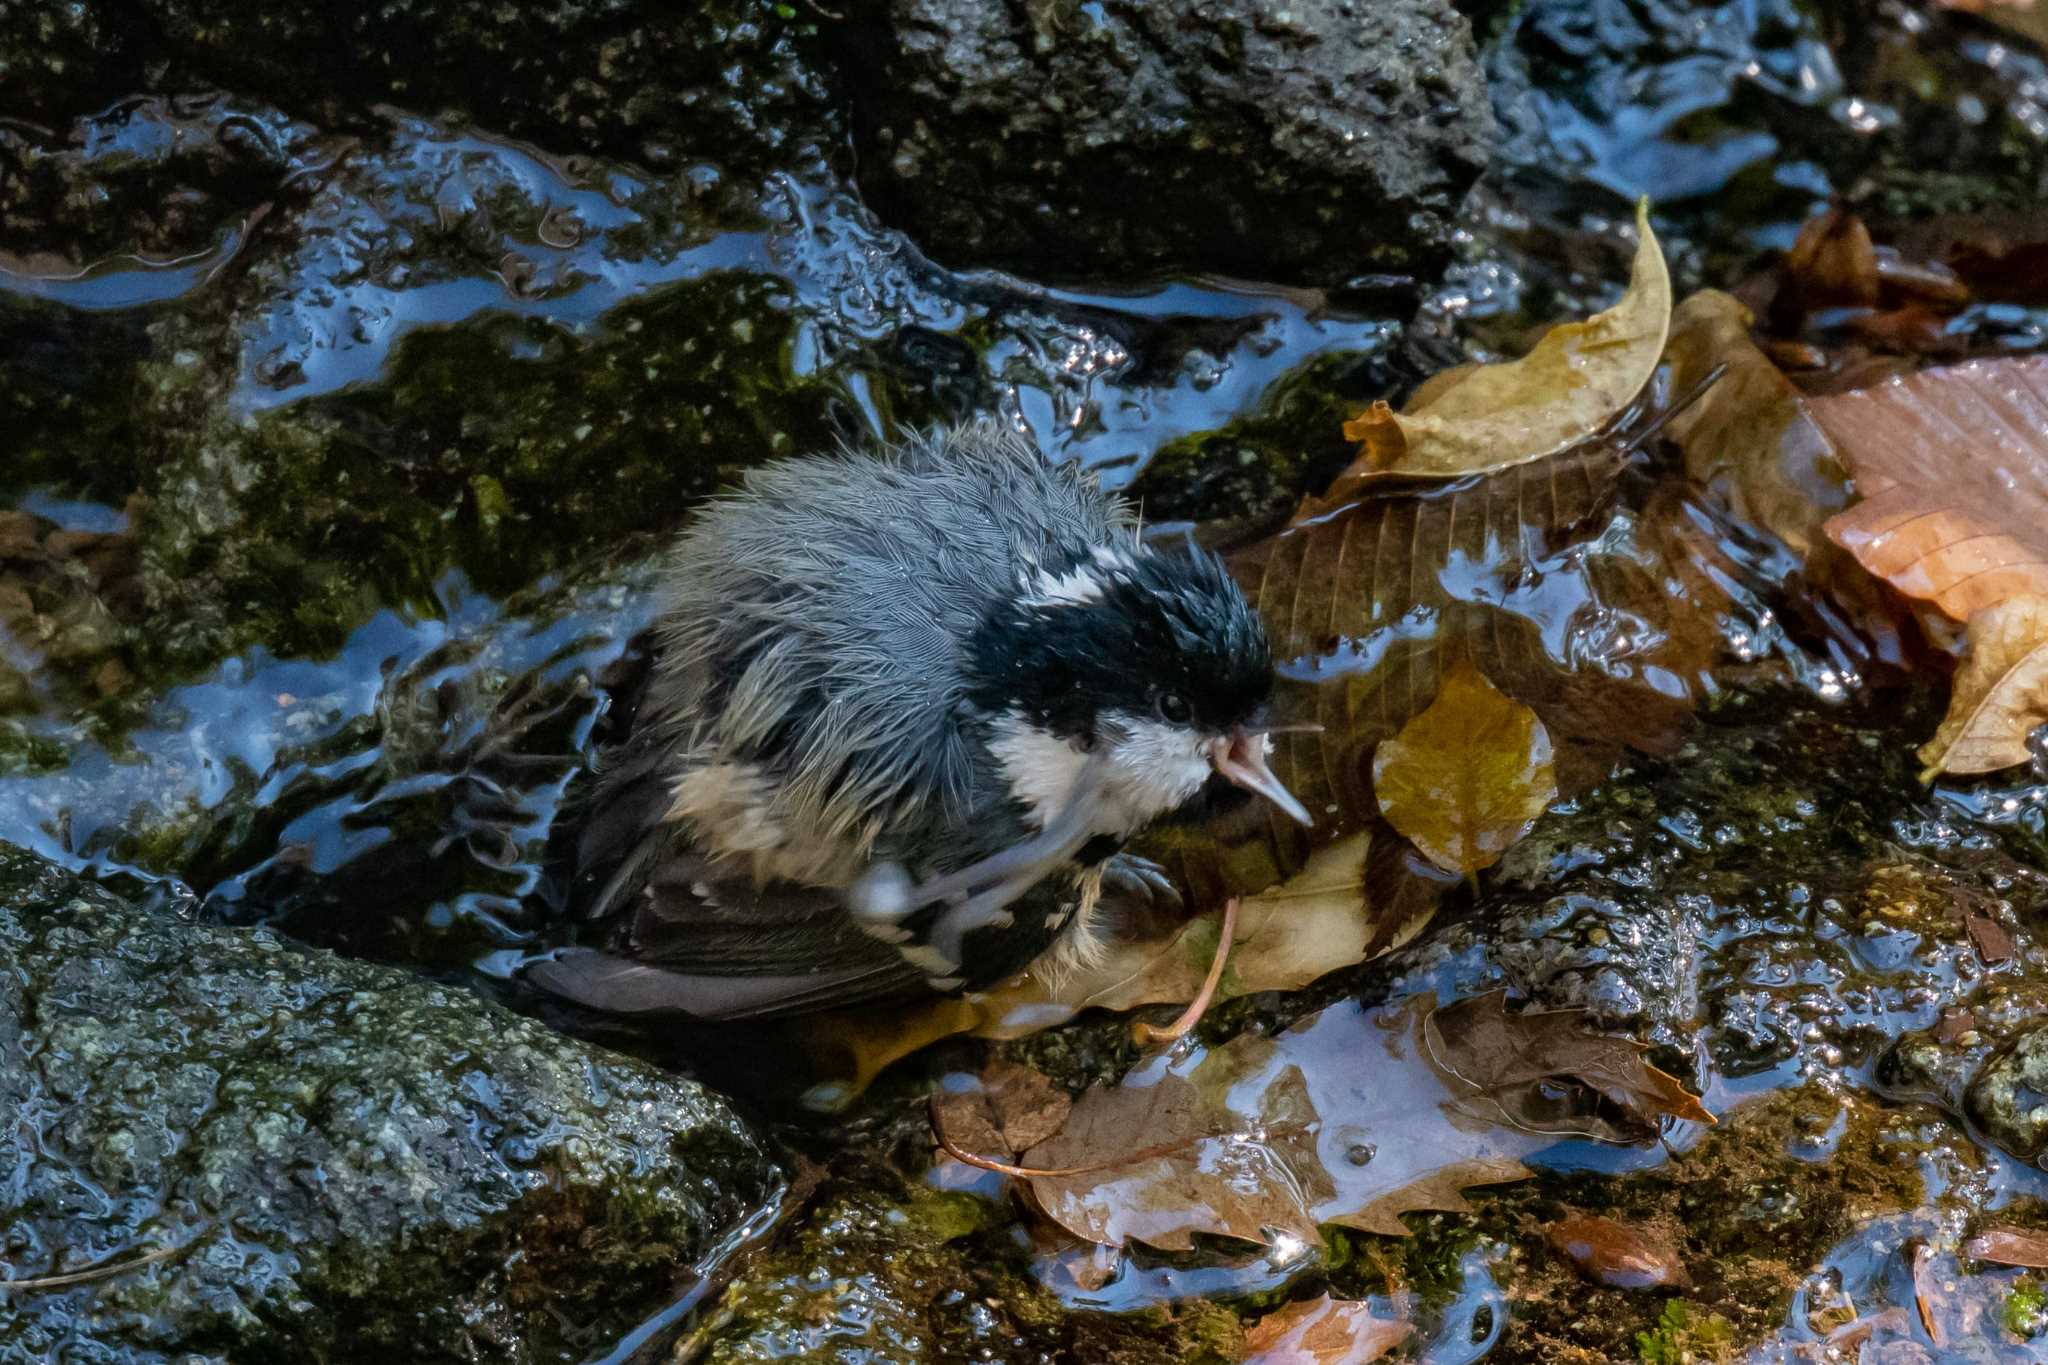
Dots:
pixel 1028 1108
pixel 1923 1292
pixel 1749 438
pixel 2000 694
pixel 1580 377
pixel 1615 1254
pixel 1993 944
pixel 1505 1068
pixel 1338 1120
pixel 2010 1246
pixel 1952 465
pixel 1226 1179
pixel 1833 262
pixel 1323 1331
pixel 964 1119
pixel 1468 776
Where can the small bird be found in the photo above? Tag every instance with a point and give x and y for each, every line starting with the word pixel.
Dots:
pixel 904 713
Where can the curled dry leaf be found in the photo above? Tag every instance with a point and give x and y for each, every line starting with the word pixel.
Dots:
pixel 2000 694
pixel 2010 1246
pixel 1580 377
pixel 1616 1254
pixel 1505 1068
pixel 1323 1331
pixel 1952 465
pixel 1749 437
pixel 1468 776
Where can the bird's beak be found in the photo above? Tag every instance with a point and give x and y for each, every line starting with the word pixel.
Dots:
pixel 1242 759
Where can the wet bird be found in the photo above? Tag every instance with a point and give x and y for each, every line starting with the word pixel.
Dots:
pixel 904 713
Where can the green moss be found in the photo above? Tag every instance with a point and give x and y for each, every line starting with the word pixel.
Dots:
pixel 1686 1336
pixel 2026 1307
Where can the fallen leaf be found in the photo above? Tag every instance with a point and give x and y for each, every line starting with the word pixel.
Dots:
pixel 1749 438
pixel 1015 1108
pixel 1352 1117
pixel 1504 1068
pixel 2000 694
pixel 1468 776
pixel 1833 262
pixel 1579 378
pixel 1315 922
pixel 1225 1178
pixel 1952 465
pixel 2010 1246
pixel 1028 1107
pixel 1993 944
pixel 2028 18
pixel 1923 1282
pixel 1323 1331
pixel 1616 1254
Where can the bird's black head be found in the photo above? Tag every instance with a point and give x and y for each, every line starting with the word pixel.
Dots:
pixel 1152 659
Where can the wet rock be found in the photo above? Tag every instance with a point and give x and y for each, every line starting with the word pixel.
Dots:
pixel 728 78
pixel 1781 892
pixel 350 1163
pixel 2009 1097
pixel 1320 141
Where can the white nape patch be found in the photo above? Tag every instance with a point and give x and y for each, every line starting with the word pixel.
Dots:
pixel 1040 767
pixel 1151 766
pixel 1073 588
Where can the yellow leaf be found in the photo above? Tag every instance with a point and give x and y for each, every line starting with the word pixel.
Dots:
pixel 1468 776
pixel 2000 693
pixel 1579 377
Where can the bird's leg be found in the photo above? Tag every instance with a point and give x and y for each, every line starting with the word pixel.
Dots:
pixel 1148 1036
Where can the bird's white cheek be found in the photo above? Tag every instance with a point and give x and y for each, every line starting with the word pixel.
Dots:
pixel 1041 769
pixel 1155 767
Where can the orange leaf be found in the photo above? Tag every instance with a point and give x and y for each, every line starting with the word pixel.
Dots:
pixel 1953 468
pixel 1323 1331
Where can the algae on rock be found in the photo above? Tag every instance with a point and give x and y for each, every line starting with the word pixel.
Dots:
pixel 352 1162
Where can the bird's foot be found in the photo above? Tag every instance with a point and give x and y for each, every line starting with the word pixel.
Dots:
pixel 1149 1036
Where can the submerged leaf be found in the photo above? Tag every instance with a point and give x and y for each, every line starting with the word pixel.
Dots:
pixel 1468 776
pixel 1580 377
pixel 1952 465
pixel 1505 1068
pixel 2010 1246
pixel 1223 1178
pixel 1346 1118
pixel 1323 1331
pixel 1616 1254
pixel 2000 694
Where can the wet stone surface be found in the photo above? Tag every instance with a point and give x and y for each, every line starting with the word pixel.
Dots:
pixel 348 1161
pixel 358 362
pixel 1321 141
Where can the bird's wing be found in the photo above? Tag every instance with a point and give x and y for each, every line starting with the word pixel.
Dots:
pixel 689 940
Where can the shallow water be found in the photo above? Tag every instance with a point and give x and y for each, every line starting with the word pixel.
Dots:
pixel 413 407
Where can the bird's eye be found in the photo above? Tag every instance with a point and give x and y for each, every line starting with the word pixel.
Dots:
pixel 1174 708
